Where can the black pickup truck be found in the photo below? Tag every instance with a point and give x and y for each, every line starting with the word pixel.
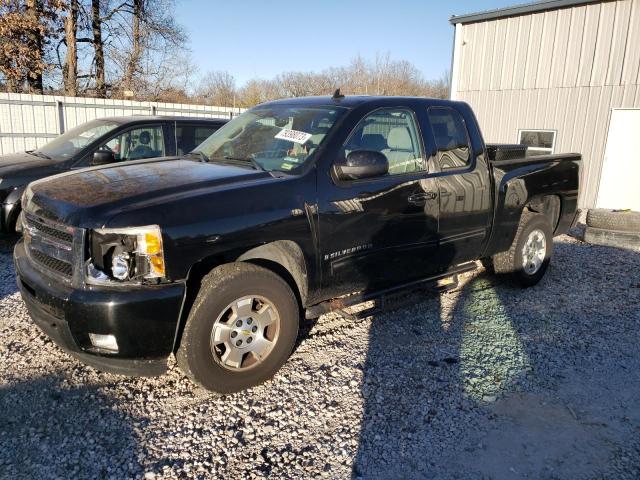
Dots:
pixel 298 205
pixel 97 142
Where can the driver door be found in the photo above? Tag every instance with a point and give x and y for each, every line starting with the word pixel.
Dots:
pixel 135 144
pixel 383 230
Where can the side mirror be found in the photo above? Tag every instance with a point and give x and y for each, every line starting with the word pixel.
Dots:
pixel 102 157
pixel 362 164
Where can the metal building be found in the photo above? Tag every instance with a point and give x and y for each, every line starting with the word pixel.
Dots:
pixel 560 76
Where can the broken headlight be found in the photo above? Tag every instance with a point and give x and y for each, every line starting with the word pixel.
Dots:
pixel 126 255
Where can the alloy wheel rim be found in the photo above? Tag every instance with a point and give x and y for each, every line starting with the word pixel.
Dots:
pixel 245 333
pixel 534 251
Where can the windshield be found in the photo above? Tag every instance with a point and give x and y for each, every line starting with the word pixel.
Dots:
pixel 69 143
pixel 272 137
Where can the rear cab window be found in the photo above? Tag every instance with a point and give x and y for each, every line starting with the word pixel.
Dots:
pixel 451 138
pixel 189 136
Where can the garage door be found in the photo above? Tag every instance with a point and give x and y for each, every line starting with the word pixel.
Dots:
pixel 620 179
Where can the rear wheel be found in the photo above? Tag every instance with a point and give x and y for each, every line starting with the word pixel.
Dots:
pixel 528 258
pixel 241 329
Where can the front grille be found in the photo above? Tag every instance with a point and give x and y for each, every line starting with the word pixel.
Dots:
pixel 47 231
pixel 51 263
pixel 51 245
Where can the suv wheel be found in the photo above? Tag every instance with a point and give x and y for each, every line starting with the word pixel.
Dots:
pixel 241 328
pixel 528 257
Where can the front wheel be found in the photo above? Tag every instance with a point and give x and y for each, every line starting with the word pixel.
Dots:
pixel 241 329
pixel 528 258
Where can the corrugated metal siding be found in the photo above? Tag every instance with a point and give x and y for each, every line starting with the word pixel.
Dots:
pixel 30 121
pixel 561 69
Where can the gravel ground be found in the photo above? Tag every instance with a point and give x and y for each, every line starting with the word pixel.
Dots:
pixel 487 381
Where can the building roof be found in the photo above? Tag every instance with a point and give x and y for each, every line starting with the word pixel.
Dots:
pixel 521 9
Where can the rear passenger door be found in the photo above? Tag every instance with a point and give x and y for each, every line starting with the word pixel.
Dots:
pixel 190 135
pixel 463 184
pixel 382 230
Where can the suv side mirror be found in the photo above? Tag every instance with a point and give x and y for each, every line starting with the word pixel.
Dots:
pixel 102 157
pixel 362 164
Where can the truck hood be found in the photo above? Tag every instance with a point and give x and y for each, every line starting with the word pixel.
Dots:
pixel 21 163
pixel 89 197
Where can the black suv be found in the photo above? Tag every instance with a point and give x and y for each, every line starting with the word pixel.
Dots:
pixel 97 142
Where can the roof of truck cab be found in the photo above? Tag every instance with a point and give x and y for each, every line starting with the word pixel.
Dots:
pixel 350 101
pixel 160 118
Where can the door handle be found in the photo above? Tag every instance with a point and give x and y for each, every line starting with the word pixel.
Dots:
pixel 421 198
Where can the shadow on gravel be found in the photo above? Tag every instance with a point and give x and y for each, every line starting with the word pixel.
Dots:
pixel 61 431
pixel 7 273
pixel 510 383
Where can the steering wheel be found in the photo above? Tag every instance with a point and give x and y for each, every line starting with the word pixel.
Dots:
pixel 106 148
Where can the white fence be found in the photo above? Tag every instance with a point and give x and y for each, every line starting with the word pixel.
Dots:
pixel 29 121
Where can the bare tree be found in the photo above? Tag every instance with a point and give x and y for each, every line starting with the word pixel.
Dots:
pixel 25 29
pixel 257 91
pixel 145 35
pixel 70 67
pixel 98 48
pixel 136 45
pixel 217 88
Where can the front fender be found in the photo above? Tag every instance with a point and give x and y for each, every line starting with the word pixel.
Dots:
pixel 11 209
pixel 288 255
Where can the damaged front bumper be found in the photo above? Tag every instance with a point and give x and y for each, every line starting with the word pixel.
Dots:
pixel 142 320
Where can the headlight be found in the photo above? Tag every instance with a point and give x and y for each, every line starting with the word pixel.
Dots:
pixel 126 254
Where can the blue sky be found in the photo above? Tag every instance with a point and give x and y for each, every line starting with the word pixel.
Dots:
pixel 253 38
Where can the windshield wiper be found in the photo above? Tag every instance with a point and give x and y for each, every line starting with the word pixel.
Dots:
pixel 36 153
pixel 197 153
pixel 236 160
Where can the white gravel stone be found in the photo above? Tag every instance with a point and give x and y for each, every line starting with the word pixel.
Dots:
pixel 469 384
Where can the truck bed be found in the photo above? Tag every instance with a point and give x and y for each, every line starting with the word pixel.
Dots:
pixel 544 181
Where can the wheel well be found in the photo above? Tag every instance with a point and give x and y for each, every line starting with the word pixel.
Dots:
pixel 284 258
pixel 281 271
pixel 548 205
pixel 12 218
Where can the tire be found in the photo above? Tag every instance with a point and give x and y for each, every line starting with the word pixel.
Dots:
pixel 203 362
pixel 612 238
pixel 622 221
pixel 511 262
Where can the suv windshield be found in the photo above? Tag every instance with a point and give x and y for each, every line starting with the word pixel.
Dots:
pixel 273 137
pixel 69 143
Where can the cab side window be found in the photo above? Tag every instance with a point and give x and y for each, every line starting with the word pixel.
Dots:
pixel 451 137
pixel 392 132
pixel 143 142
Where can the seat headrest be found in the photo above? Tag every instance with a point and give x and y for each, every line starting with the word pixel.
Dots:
pixel 373 141
pixel 440 130
pixel 441 134
pixel 145 137
pixel 400 139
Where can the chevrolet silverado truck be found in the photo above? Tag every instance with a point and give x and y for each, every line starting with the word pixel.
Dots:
pixel 98 142
pixel 297 205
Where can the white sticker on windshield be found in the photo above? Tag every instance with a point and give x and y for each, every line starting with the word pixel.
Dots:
pixel 293 135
